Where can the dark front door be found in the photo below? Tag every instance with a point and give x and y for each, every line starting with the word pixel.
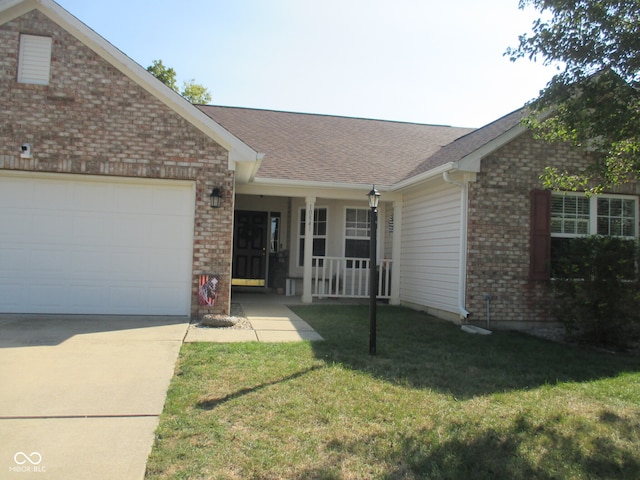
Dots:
pixel 249 248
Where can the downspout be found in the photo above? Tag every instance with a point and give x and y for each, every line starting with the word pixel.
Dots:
pixel 462 269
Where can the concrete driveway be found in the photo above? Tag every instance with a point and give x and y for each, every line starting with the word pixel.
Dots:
pixel 80 396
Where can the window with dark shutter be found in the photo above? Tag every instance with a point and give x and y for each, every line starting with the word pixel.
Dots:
pixel 540 236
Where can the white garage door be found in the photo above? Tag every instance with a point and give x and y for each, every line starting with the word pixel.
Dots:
pixel 71 244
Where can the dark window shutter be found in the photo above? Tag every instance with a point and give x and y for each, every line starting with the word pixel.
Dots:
pixel 540 236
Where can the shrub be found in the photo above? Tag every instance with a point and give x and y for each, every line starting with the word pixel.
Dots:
pixel 595 290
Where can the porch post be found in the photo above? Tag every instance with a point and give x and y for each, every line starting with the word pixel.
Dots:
pixel 308 249
pixel 395 253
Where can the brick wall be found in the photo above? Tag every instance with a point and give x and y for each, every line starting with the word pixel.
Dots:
pixel 498 242
pixel 92 119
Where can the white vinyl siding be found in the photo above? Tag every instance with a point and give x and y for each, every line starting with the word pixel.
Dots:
pixel 34 63
pixel 431 247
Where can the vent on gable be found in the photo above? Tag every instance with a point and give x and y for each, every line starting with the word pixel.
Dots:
pixel 34 63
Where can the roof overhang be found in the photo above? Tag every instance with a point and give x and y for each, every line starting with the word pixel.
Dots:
pixel 297 188
pixel 239 152
pixel 469 163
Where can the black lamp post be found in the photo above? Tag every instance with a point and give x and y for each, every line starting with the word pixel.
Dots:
pixel 374 198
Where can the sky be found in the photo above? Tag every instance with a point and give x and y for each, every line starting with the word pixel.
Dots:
pixel 423 61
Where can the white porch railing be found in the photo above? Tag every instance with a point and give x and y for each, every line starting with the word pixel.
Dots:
pixel 348 277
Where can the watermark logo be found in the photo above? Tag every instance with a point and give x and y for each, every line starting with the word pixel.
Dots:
pixel 27 463
pixel 21 458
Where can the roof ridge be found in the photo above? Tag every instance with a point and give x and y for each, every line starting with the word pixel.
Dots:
pixel 329 115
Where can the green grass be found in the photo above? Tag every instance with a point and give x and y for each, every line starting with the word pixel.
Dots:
pixel 434 403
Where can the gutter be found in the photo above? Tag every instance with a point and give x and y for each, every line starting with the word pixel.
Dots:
pixel 425 176
pixel 462 270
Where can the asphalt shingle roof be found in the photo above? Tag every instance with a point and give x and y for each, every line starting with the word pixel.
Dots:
pixel 324 148
pixel 467 144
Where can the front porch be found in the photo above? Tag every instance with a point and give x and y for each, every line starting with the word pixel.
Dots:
pixel 315 248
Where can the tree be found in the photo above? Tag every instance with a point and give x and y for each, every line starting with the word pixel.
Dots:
pixel 195 93
pixel 594 100
pixel 166 75
pixel 192 91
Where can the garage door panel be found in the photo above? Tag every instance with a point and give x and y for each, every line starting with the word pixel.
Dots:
pixel 165 298
pixel 171 202
pixel 45 194
pixel 164 269
pixel 50 228
pixel 128 265
pixel 13 261
pixel 142 199
pixel 12 295
pixel 16 225
pixel 87 298
pixel 126 298
pixel 90 229
pixel 46 297
pixel 90 263
pixel 131 230
pixel 93 197
pixel 48 262
pixel 17 195
pixel 172 232
pixel 102 246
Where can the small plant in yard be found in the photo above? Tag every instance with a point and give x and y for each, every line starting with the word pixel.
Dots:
pixel 596 290
pixel 434 403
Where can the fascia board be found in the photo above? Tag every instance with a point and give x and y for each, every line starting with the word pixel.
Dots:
pixel 246 171
pixel 238 150
pixel 469 163
pixel 12 9
pixel 434 172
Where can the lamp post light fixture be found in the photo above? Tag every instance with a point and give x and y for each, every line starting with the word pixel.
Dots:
pixel 215 198
pixel 374 198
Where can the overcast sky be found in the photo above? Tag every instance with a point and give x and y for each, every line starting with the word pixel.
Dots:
pixel 436 62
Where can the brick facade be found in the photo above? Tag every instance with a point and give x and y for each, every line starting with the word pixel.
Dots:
pixel 498 238
pixel 93 120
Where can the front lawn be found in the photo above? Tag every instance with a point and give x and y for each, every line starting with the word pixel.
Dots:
pixel 434 403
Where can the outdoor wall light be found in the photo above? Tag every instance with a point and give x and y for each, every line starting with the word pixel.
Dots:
pixel 215 198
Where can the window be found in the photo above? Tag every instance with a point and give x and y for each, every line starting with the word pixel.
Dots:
pixel 319 234
pixel 357 232
pixel 569 215
pixel 575 215
pixel 34 64
pixel 275 232
pixel 617 217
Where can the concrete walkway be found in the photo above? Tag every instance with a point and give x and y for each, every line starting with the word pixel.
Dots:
pixel 270 322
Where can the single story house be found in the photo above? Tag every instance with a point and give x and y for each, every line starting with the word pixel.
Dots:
pixel 117 196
